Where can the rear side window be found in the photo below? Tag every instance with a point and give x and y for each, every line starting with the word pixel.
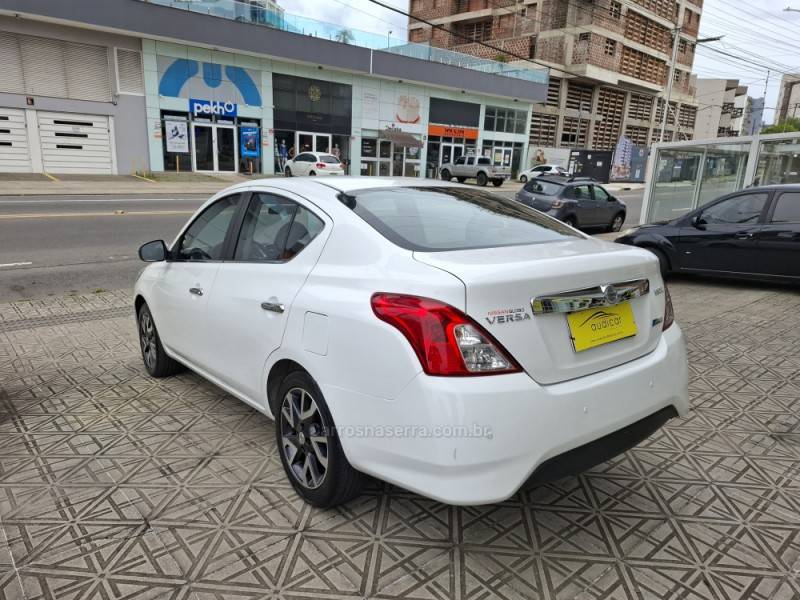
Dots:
pixel 545 188
pixel 787 208
pixel 440 219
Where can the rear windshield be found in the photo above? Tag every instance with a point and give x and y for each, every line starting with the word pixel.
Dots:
pixel 429 219
pixel 545 188
pixel 328 158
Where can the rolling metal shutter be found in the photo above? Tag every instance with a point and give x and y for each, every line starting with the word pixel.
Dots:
pixel 14 151
pixel 75 143
pixel 129 72
pixel 45 67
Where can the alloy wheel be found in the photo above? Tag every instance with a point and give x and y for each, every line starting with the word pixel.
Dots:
pixel 147 339
pixel 304 442
pixel 616 224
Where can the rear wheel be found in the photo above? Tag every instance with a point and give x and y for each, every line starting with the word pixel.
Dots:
pixel 482 179
pixel 312 174
pixel 288 172
pixel 446 175
pixel 571 221
pixel 663 261
pixel 616 222
pixel 497 182
pixel 310 450
pixel 156 361
pixel 523 179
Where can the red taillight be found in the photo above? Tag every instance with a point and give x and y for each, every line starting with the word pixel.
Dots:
pixel 447 342
pixel 669 311
pixel 321 165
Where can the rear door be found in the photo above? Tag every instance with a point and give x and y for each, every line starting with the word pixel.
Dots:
pixel 778 243
pixel 279 242
pixel 586 206
pixel 724 238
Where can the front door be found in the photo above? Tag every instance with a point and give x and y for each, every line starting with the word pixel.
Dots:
pixel 184 286
pixel 724 235
pixel 273 256
pixel 397 161
pixel 215 148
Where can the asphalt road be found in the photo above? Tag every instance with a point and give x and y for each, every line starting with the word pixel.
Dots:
pixel 60 245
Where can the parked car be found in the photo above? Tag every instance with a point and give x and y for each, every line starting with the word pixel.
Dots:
pixel 313 163
pixel 754 234
pixel 577 201
pixel 433 335
pixel 540 170
pixel 479 168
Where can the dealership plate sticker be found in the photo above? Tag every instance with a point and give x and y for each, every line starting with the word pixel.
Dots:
pixel 598 326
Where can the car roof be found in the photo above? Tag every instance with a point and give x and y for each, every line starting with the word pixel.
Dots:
pixel 345 184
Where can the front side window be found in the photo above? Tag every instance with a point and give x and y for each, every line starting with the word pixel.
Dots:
pixel 738 210
pixel 446 218
pixel 787 208
pixel 275 229
pixel 205 237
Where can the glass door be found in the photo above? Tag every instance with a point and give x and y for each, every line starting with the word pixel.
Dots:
pixel 227 151
pixel 397 162
pixel 308 141
pixel 203 143
pixel 322 143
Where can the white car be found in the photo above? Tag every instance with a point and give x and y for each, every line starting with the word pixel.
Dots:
pixel 445 339
pixel 540 170
pixel 313 163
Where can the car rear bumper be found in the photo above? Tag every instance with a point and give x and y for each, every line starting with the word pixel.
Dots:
pixel 477 440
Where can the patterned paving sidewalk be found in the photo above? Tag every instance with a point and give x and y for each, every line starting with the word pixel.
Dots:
pixel 114 485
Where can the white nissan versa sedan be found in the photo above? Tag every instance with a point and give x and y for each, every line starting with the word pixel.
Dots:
pixel 436 336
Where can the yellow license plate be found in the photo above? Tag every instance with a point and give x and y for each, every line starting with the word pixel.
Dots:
pixel 598 326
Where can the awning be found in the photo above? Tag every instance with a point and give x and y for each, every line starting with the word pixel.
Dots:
pixel 400 138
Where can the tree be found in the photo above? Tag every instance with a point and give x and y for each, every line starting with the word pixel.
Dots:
pixel 502 58
pixel 345 36
pixel 787 126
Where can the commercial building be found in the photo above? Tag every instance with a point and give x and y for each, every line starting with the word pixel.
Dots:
pixel 788 98
pixel 230 86
pixel 724 108
pixel 609 59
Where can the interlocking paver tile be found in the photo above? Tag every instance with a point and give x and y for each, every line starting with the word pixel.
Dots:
pixel 116 485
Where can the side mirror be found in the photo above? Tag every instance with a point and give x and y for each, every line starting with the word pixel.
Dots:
pixel 153 251
pixel 698 222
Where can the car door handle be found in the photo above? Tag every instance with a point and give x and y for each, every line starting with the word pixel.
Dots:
pixel 273 306
pixel 196 291
pixel 744 235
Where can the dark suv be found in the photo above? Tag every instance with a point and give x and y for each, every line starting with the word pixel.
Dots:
pixel 578 201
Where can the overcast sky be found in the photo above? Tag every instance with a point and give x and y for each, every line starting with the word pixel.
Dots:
pixel 760 30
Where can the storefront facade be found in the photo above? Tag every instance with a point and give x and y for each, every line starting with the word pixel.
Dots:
pixel 218 112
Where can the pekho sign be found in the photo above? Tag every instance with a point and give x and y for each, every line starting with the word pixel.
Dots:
pixel 207 108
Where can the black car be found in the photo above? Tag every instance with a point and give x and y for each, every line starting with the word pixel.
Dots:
pixel 577 201
pixel 754 233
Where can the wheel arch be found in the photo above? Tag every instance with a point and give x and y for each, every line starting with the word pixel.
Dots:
pixel 277 373
pixel 138 302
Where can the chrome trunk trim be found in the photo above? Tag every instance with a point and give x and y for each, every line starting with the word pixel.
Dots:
pixel 601 295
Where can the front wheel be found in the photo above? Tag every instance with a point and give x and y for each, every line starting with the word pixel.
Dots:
pixel 156 361
pixel 312 174
pixel 523 179
pixel 497 182
pixel 446 175
pixel 482 179
pixel 309 446
pixel 288 172
pixel 571 221
pixel 616 222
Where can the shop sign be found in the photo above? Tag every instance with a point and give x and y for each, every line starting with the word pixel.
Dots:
pixel 177 136
pixel 456 132
pixel 408 110
pixel 249 139
pixel 212 107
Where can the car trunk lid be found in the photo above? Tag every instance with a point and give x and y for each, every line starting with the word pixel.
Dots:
pixel 502 282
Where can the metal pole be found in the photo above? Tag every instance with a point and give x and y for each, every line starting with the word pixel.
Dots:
pixel 675 44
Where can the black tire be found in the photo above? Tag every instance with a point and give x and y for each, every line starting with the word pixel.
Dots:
pixel 523 179
pixel 663 261
pixel 461 179
pixel 482 179
pixel 616 222
pixel 156 361
pixel 339 482
pixel 497 182
pixel 312 174
pixel 446 175
pixel 288 172
pixel 571 221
